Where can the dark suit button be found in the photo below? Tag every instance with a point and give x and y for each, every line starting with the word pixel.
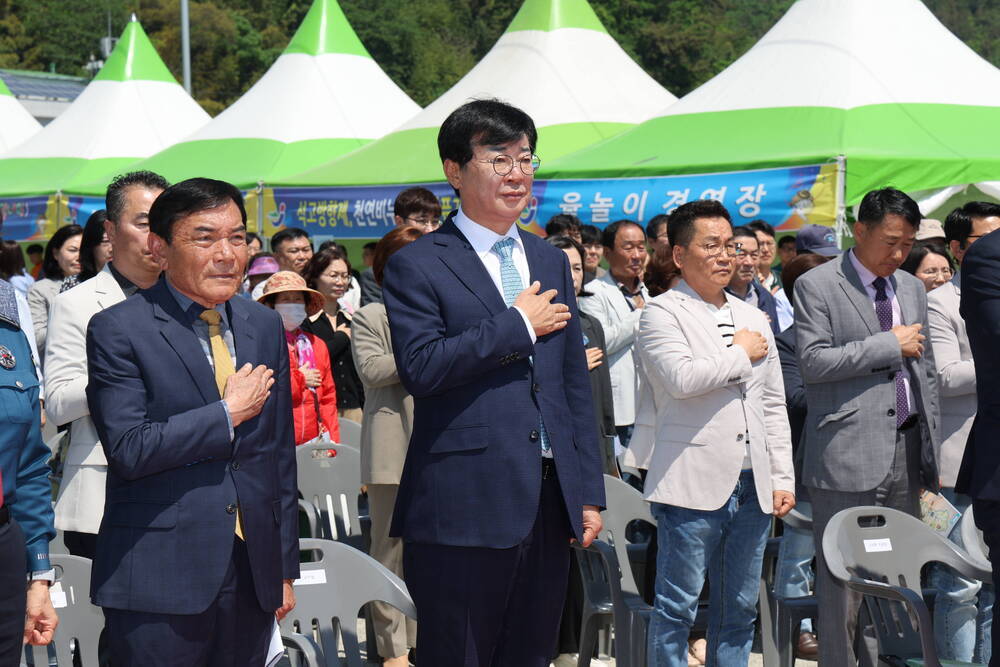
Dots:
pixel 235 465
pixel 536 387
pixel 533 436
pixel 231 508
pixel 892 376
pixel 891 413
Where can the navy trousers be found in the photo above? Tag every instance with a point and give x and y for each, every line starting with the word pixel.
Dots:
pixel 481 607
pixel 233 632
pixel 12 593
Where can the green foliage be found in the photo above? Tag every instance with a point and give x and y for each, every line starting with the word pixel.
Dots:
pixel 424 45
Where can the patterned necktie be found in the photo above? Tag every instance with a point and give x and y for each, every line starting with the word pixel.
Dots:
pixel 883 308
pixel 224 367
pixel 510 280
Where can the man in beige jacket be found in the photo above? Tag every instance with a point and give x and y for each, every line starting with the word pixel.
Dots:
pixel 721 458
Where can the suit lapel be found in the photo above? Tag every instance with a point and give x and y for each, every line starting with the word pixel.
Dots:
pixel 244 337
pixel 856 293
pixel 909 305
pixel 696 307
pixel 183 340
pixel 457 254
pixel 536 263
pixel 107 291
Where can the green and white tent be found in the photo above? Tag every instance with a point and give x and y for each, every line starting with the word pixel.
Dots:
pixel 324 96
pixel 16 124
pixel 556 61
pixel 132 109
pixel 880 85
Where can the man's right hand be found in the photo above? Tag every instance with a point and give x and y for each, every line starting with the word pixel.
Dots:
pixel 545 316
pixel 753 342
pixel 246 391
pixel 911 341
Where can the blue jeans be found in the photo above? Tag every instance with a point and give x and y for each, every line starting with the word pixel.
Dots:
pixel 963 609
pixel 729 544
pixel 793 575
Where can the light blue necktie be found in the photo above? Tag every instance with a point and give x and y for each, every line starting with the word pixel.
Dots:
pixel 510 280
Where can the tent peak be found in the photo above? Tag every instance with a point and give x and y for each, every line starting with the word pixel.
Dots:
pixel 134 59
pixel 547 15
pixel 4 90
pixel 325 29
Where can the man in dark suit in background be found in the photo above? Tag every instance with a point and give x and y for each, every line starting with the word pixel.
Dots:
pixel 501 472
pixel 979 476
pixel 198 547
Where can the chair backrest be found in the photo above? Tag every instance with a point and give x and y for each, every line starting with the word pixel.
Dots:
pixel 331 592
pixel 625 505
pixel 80 622
pixel 329 477
pixel 350 433
pixel 798 520
pixel 972 540
pixel 888 546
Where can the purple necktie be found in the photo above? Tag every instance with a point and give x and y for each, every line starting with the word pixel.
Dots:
pixel 883 308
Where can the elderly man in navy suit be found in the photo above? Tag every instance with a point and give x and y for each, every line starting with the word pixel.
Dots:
pixel 198 547
pixel 503 468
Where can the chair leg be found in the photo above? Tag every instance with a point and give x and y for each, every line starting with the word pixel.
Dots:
pixel 588 639
pixel 784 625
pixel 767 613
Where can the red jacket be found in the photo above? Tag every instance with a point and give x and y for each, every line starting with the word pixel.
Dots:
pixel 304 401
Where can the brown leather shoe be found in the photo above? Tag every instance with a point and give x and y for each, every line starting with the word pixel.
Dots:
pixel 807 648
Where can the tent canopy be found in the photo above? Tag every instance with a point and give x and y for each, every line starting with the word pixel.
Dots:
pixel 133 108
pixel 16 124
pixel 324 96
pixel 884 84
pixel 556 61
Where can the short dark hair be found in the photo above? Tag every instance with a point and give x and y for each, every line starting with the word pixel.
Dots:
pixel 287 234
pixel 562 223
pixel 253 236
pixel 745 232
pixel 319 262
pixel 590 234
pixel 564 242
pixel 787 239
pixel 611 231
pixel 796 267
pixel 114 197
pixel 762 226
pixel 389 245
pixel 680 227
pixel 11 260
pixel 188 197
pixel 93 234
pixel 485 123
pixel 416 201
pixel 888 201
pixel 370 245
pixel 657 221
pixel 958 224
pixel 34 247
pixel 50 265
pixel 919 251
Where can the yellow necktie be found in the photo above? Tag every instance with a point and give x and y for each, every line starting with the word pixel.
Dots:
pixel 224 367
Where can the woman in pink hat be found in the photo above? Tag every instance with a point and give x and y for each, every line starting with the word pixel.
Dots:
pixel 314 397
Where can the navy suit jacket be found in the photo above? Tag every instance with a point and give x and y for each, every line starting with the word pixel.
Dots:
pixel 174 476
pixel 472 475
pixel 979 476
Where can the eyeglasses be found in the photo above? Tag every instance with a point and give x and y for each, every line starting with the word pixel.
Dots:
pixel 716 249
pixel 504 164
pixel 432 223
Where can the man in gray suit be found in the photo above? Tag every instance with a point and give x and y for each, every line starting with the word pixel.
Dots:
pixel 871 432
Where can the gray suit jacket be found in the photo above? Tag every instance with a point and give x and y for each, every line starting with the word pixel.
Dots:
pixel 956 376
pixel 388 413
pixel 849 366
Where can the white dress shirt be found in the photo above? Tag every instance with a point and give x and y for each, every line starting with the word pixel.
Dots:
pixel 867 278
pixel 482 241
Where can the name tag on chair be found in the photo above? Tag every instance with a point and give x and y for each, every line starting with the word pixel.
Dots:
pixel 884 544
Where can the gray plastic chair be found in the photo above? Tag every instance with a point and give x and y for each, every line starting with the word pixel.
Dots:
pixel 333 589
pixel 350 433
pixel 972 540
pixel 597 603
pixel 80 622
pixel 329 479
pixel 880 552
pixel 781 618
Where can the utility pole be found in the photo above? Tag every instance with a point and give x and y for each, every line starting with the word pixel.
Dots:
pixel 186 46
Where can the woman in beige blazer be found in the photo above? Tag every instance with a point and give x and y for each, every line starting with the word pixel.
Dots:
pixel 386 425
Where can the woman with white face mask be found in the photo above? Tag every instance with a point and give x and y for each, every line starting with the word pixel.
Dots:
pixel 314 397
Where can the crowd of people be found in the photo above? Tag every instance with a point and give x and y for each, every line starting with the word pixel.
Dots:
pixel 729 373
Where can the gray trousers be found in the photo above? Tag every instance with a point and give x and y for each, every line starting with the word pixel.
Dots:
pixel 838 606
pixel 395 634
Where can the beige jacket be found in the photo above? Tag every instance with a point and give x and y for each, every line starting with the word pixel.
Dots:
pixel 388 413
